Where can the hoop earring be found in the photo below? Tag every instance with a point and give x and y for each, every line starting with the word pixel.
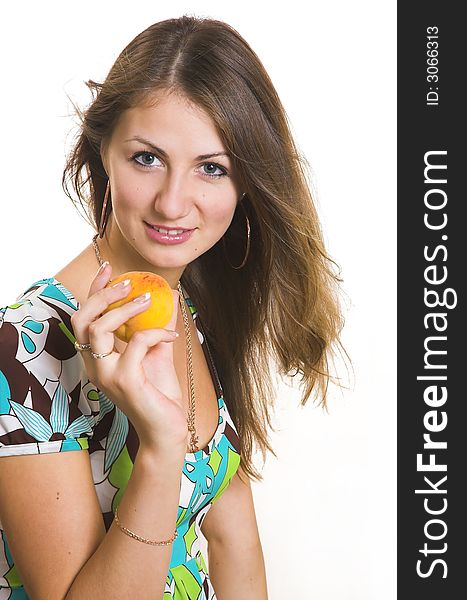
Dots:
pixel 247 241
pixel 104 213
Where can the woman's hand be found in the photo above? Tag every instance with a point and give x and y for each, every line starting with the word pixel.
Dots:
pixel 154 407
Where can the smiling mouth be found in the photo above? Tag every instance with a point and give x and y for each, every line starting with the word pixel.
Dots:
pixel 168 231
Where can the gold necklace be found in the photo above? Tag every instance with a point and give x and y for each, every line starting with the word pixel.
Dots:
pixel 189 358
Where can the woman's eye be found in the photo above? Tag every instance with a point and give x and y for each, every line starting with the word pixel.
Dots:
pixel 146 158
pixel 212 167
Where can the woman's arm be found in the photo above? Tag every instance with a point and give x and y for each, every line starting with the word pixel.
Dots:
pixel 236 563
pixel 56 534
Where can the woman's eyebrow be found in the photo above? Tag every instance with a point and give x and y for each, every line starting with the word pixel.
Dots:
pixel 163 153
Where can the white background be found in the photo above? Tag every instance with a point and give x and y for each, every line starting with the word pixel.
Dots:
pixel 327 507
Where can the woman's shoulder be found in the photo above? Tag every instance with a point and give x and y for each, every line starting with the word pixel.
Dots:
pixel 46 292
pixel 37 324
pixel 42 406
pixel 40 317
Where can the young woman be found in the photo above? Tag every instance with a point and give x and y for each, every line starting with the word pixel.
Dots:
pixel 187 169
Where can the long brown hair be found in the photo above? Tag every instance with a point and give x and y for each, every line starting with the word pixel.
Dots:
pixel 281 311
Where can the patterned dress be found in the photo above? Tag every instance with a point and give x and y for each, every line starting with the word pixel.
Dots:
pixel 47 404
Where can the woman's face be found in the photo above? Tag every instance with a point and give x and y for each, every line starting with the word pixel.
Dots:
pixel 163 172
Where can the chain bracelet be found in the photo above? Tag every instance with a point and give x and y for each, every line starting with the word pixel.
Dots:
pixel 141 539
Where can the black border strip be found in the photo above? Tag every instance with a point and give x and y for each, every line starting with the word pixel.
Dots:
pixel 432 356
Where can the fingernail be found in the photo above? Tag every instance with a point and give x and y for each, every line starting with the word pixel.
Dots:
pixel 143 298
pixel 122 284
pixel 174 333
pixel 102 267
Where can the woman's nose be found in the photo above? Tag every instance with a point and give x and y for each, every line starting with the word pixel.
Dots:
pixel 174 198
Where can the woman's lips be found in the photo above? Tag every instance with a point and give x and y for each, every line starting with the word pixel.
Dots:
pixel 166 238
pixel 156 226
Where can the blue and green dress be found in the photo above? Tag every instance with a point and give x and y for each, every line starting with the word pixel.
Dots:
pixel 48 404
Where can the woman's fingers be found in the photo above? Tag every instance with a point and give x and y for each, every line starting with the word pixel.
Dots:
pixel 140 344
pixel 101 278
pixel 146 357
pixel 145 344
pixel 90 311
pixel 102 329
pixel 94 327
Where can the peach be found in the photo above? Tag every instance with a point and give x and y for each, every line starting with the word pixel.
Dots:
pixel 159 311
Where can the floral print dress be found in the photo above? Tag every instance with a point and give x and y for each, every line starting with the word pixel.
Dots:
pixel 47 404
